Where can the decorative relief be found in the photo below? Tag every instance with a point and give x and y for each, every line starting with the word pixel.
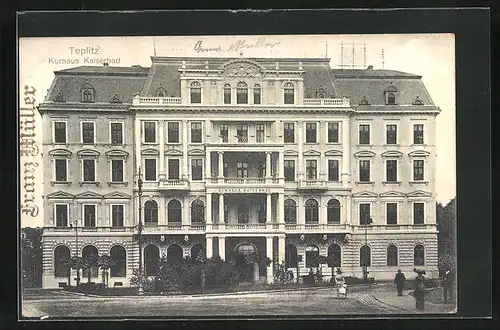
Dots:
pixel 242 70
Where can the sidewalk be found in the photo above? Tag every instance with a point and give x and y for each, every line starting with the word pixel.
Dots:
pixel 407 303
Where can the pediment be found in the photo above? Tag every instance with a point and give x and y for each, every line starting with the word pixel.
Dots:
pixel 392 153
pixel 117 195
pixel 419 193
pixel 333 152
pixel 364 153
pixel 242 69
pixel 88 153
pixel 88 195
pixel 311 153
pixel 173 152
pixel 60 195
pixel 117 153
pixel 196 152
pixel 392 193
pixel 290 153
pixel 369 194
pixel 150 152
pixel 60 153
pixel 419 153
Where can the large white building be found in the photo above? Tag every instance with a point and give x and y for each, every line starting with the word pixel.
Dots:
pixel 282 156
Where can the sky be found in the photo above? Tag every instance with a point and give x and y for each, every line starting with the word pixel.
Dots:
pixel 430 55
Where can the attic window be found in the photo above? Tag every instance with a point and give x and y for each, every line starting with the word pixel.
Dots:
pixel 321 93
pixel 364 101
pixel 59 97
pixel 115 99
pixel 161 92
pixel 87 93
pixel 390 95
pixel 417 101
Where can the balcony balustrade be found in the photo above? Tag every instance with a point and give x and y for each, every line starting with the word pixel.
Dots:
pixel 236 182
pixel 173 184
pixel 312 184
pixel 317 227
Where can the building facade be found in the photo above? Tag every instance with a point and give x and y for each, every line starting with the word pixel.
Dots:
pixel 285 157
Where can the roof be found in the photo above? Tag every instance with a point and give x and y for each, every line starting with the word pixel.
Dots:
pixel 105 70
pixel 372 73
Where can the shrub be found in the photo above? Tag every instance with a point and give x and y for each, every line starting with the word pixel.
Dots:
pixel 139 279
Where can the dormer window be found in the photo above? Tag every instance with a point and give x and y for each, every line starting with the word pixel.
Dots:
pixel 195 92
pixel 115 99
pixel 289 93
pixel 321 93
pixel 160 92
pixel 390 95
pixel 242 93
pixel 59 97
pixel 227 94
pixel 87 93
pixel 417 101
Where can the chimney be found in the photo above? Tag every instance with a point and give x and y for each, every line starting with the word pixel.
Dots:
pixel 105 64
pixel 370 67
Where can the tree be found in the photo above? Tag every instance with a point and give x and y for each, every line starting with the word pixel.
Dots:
pixel 76 263
pixel 299 259
pixel 446 221
pixel 105 262
pixel 31 256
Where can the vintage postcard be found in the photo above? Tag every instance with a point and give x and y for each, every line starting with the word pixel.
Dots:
pixel 201 176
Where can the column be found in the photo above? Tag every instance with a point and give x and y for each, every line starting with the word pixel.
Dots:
pixel 209 247
pixel 281 208
pixel 269 252
pixel 322 211
pixel 281 166
pixel 209 208
pixel 185 211
pixel 103 216
pixel 222 248
pixel 346 152
pixel 208 165
pixel 268 209
pixel 185 167
pixel 161 128
pixel 137 137
pixel 300 211
pixel 221 164
pixel 221 208
pixel 348 207
pixel 281 249
pixel 268 164
pixel 300 165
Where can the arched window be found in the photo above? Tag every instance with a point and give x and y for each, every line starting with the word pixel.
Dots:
pixel 197 212
pixel 390 94
pixel 87 96
pixel 198 250
pixel 242 93
pixel 151 213
pixel 160 94
pixel 245 248
pixel 61 256
pixel 391 98
pixel 418 255
pixel 256 94
pixel 311 211
pixel 119 255
pixel 195 92
pixel 333 211
pixel 289 92
pixel 151 258
pixel 174 254
pixel 227 94
pixel 290 256
pixel 312 256
pixel 335 255
pixel 290 211
pixel 90 253
pixel 365 258
pixel 174 212
pixel 392 255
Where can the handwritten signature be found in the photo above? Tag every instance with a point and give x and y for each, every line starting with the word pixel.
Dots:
pixel 239 45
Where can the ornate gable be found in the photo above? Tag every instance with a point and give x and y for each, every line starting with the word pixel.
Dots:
pixel 241 69
pixel 60 195
pixel 117 153
pixel 150 152
pixel 311 153
pixel 196 152
pixel 333 152
pixel 392 153
pixel 392 193
pixel 117 195
pixel 88 153
pixel 290 153
pixel 173 152
pixel 365 194
pixel 60 153
pixel 365 153
pixel 419 194
pixel 419 153
pixel 88 195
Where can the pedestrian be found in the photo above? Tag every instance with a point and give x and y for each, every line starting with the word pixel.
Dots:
pixel 290 274
pixel 419 292
pixel 399 280
pixel 311 275
pixel 447 283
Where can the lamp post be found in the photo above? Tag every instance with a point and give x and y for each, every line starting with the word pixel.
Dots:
pixel 365 261
pixel 76 252
pixel 139 228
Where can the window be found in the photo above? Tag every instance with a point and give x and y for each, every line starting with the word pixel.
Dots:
pixel 289 170
pixel 151 259
pixel 242 133
pixel 224 133
pixel 291 256
pixel 242 213
pixel 61 256
pixel 364 170
pixel 116 133
pixel 391 134
pixel 117 215
pixel 418 255
pixel 173 169
pixel 392 256
pixel 312 256
pixel 290 211
pixel 242 170
pixel 150 212
pixel 333 132
pixel 89 170
pixel 61 167
pixel 241 93
pixel 418 170
pixel 392 213
pixel 195 92
pixel 364 214
pixel 333 211
pixel 150 169
pixel 197 169
pixel 259 128
pixel 160 94
pixel 365 258
pixel 173 132
pixel 311 169
pixel 289 93
pixel 197 212
pixel 196 132
pixel 87 96
pixel 88 133
pixel 174 211
pixel 364 134
pixel 89 215
pixel 227 94
pixel 418 134
pixel 333 170
pixel 289 132
pixel 310 132
pixel 90 253
pixel 61 215
pixel 418 213
pixel 335 255
pixel 174 254
pixel 262 169
pixel 150 132
pixel 311 211
pixel 119 255
pixel 391 170
pixel 256 94
pixel 391 98
pixel 60 132
pixel 117 170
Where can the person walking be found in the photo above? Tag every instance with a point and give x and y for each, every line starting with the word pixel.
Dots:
pixel 419 292
pixel 447 285
pixel 399 280
pixel 311 276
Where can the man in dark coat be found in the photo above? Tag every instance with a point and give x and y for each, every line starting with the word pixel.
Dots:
pixel 399 280
pixel 448 285
pixel 419 292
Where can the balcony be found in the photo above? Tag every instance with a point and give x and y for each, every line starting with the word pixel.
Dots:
pixel 173 184
pixel 246 182
pixel 312 184
pixel 156 100
pixel 173 229
pixel 243 228
pixel 376 228
pixel 70 231
pixel 317 228
pixel 342 102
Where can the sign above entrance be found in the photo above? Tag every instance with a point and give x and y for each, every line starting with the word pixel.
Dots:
pixel 244 190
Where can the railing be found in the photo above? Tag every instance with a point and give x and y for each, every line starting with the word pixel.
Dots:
pixel 245 180
pixel 174 183
pixel 316 226
pixel 312 184
pixel 156 100
pixel 342 102
pixel 402 227
pixel 173 227
pixel 89 229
